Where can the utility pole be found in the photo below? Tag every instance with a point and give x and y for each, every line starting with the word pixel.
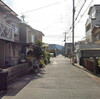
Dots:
pixel 65 43
pixel 73 32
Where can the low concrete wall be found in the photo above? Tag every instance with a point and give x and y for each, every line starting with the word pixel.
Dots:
pixel 15 71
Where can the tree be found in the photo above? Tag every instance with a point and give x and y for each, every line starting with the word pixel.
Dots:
pixel 37 50
pixel 41 54
pixel 53 51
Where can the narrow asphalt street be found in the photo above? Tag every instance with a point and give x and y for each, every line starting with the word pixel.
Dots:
pixel 59 80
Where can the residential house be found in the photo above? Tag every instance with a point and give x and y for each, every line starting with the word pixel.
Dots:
pixel 38 35
pixel 16 38
pixel 92 23
pixel 28 37
pixel 88 51
pixel 9 36
pixel 68 49
pixel 79 47
pixel 92 32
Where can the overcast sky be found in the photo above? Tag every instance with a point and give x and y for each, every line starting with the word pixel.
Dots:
pixel 52 17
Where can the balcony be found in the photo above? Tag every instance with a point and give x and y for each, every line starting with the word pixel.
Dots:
pixel 6 31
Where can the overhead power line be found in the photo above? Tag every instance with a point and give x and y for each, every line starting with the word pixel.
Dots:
pixel 41 7
pixel 78 2
pixel 52 24
pixel 84 12
pixel 80 17
pixel 77 16
pixel 80 9
pixel 69 32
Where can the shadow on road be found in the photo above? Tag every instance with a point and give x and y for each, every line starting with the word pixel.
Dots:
pixel 20 83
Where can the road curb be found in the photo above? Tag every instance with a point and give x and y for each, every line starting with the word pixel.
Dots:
pixel 89 73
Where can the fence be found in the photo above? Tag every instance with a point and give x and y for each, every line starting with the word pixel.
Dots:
pixel 15 71
pixel 92 65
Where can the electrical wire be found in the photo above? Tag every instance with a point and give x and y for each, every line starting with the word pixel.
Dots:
pixel 80 17
pixel 84 12
pixel 66 15
pixel 52 24
pixel 78 2
pixel 77 15
pixel 41 7
pixel 55 22
pixel 80 10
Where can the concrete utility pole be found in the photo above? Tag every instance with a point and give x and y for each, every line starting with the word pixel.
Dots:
pixel 73 32
pixel 65 42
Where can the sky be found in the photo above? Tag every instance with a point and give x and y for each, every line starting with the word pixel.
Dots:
pixel 53 17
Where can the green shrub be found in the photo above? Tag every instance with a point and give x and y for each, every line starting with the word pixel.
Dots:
pixel 42 64
pixel 41 54
pixel 53 51
pixel 46 57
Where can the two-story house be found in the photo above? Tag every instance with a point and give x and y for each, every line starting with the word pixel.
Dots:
pixel 92 42
pixel 38 35
pixel 92 23
pixel 16 38
pixel 9 36
pixel 28 37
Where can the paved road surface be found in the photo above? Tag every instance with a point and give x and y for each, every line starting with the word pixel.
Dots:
pixel 60 80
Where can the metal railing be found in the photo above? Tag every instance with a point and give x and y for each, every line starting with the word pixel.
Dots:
pixel 6 31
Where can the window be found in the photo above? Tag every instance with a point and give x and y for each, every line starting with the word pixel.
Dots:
pixel 32 38
pixel 98 12
pixel 93 14
pixel 15 29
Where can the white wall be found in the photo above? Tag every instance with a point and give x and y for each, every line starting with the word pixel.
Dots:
pixel 94 19
pixel 29 36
